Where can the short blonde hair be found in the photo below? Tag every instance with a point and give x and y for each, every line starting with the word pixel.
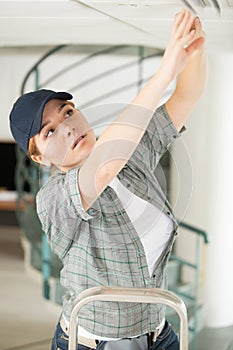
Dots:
pixel 32 148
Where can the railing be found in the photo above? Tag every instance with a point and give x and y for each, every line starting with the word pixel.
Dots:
pixel 200 237
pixel 137 50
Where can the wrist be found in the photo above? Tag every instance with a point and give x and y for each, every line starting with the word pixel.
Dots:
pixel 166 75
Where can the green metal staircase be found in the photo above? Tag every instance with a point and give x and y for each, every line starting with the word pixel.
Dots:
pixel 188 291
pixel 29 177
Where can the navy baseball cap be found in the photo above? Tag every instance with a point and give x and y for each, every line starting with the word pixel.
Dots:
pixel 26 114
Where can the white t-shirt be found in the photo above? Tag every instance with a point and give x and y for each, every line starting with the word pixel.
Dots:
pixel 152 225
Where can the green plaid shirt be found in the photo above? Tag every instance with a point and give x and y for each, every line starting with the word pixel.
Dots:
pixel 100 247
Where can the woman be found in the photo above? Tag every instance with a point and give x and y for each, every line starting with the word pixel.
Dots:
pixel 102 210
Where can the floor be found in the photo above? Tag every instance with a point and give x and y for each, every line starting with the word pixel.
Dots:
pixel 215 339
pixel 27 320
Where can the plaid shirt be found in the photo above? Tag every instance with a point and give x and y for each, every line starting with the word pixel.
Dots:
pixel 100 247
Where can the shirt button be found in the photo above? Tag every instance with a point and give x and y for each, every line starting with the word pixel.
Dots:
pixel 168 213
pixel 91 211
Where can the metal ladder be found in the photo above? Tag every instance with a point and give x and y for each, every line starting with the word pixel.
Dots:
pixel 130 295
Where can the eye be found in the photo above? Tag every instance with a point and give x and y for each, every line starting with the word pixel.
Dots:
pixel 49 133
pixel 68 113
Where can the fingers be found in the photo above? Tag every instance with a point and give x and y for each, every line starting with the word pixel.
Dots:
pixel 178 19
pixel 198 27
pixel 195 45
pixel 188 38
pixel 183 24
pixel 188 25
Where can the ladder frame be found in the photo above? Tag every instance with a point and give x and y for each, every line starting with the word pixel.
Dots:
pixel 130 295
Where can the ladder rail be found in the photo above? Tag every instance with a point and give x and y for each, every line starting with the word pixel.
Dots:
pixel 131 295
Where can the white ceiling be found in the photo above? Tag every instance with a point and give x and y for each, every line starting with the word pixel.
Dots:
pixel 144 22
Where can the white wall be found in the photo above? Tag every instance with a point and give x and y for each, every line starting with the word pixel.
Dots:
pixel 210 146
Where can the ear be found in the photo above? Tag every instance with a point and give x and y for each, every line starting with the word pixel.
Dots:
pixel 36 159
pixel 39 159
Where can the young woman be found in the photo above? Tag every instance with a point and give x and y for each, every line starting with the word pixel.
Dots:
pixel 102 210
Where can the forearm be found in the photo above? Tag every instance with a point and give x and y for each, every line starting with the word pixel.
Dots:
pixel 192 80
pixel 190 86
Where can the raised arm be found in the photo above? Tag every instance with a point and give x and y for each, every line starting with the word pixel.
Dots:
pixel 191 82
pixel 117 143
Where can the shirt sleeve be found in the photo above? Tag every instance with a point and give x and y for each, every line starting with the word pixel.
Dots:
pixel 60 211
pixel 160 134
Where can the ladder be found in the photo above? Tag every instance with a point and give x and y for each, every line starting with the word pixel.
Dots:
pixel 130 295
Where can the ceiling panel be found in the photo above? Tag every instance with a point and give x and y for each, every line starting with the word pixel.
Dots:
pixel 145 22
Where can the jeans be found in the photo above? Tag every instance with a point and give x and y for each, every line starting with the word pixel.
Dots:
pixel 167 340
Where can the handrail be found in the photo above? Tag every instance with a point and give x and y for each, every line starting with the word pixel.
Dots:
pixel 35 66
pixel 84 60
pixel 196 230
pixel 78 63
pixel 196 266
pixel 107 72
pixel 99 75
pixel 112 92
pixel 130 295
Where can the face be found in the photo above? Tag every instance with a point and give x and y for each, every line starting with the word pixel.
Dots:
pixel 65 139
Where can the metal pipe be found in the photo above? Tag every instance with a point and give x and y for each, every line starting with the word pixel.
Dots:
pixel 130 295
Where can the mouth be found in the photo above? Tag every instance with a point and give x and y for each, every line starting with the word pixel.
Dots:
pixel 77 141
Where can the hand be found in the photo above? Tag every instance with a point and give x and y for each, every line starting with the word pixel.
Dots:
pixel 187 37
pixel 199 36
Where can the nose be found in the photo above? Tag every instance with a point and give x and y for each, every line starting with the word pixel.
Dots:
pixel 67 129
pixel 71 131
